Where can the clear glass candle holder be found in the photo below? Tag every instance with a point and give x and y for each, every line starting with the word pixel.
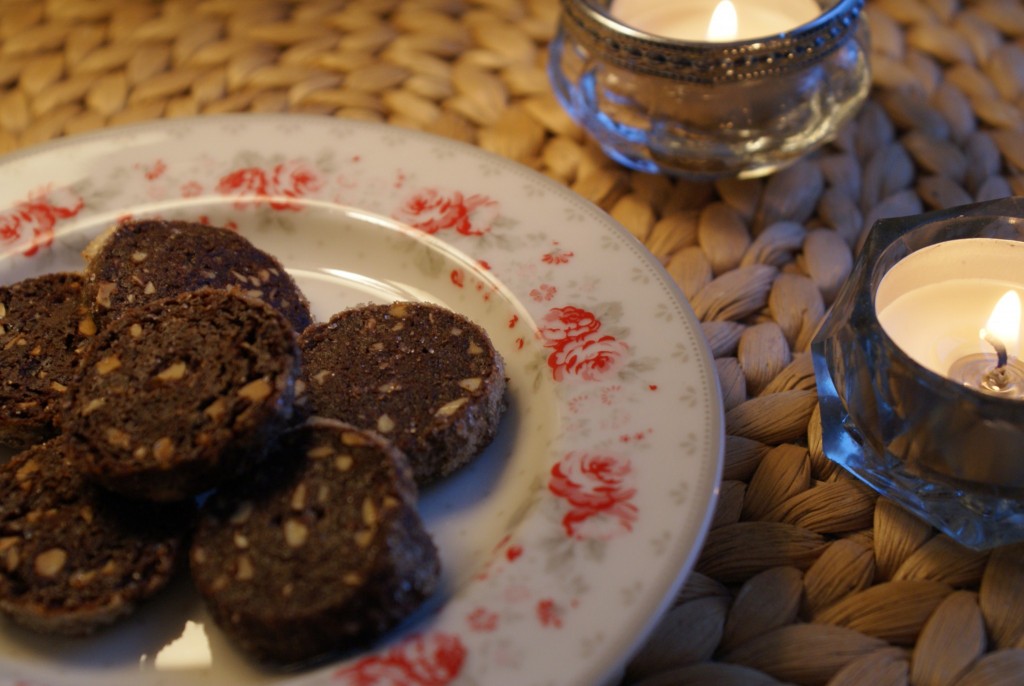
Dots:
pixel 706 110
pixel 948 452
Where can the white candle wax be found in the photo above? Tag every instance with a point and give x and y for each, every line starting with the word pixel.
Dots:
pixel 933 303
pixel 690 19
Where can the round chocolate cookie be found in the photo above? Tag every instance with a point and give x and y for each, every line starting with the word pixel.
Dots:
pixel 43 328
pixel 177 396
pixel 141 261
pixel 74 557
pixel 424 377
pixel 318 551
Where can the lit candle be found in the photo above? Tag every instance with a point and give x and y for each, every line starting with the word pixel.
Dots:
pixel 953 305
pixel 714 20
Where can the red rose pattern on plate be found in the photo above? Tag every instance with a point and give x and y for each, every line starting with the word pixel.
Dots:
pixel 435 659
pixel 577 349
pixel 33 220
pixel 278 185
pixel 598 493
pixel 433 210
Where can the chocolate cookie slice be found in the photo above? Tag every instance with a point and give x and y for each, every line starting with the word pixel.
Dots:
pixel 43 327
pixel 423 376
pixel 73 557
pixel 182 394
pixel 319 550
pixel 141 261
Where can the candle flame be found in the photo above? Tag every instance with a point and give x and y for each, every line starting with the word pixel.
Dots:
pixel 724 24
pixel 1004 323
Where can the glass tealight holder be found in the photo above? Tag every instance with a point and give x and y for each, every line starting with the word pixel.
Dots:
pixel 706 110
pixel 943 449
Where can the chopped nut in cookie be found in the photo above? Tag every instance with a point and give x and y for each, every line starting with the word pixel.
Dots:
pixel 103 293
pixel 320 452
pixel 451 407
pixel 295 533
pixel 108 364
pixel 256 390
pixel 385 424
pixel 174 372
pixel 118 438
pixel 49 563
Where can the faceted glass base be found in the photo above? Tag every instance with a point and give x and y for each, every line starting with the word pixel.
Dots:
pixel 975 517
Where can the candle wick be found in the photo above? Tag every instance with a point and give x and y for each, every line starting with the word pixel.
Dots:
pixel 1000 348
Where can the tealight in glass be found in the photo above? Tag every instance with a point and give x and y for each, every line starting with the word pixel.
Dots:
pixel 715 107
pixel 919 378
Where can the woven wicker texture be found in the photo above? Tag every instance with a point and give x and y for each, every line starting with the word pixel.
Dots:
pixel 806 577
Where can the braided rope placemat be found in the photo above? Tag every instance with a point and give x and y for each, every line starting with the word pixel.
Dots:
pixel 806 576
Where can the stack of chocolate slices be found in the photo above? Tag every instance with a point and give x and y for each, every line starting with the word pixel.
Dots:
pixel 175 400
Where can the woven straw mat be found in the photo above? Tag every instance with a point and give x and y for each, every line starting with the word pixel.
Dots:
pixel 806 576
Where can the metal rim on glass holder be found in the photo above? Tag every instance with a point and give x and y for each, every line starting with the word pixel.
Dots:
pixel 592 25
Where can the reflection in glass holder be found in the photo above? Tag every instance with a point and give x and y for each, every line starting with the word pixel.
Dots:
pixel 948 453
pixel 708 110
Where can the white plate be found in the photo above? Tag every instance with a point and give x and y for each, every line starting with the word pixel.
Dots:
pixel 565 540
